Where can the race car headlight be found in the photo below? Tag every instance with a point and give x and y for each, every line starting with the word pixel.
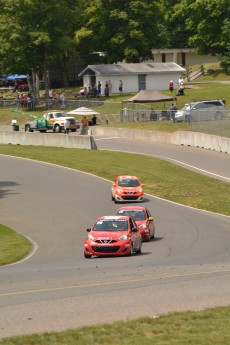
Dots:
pixel 90 237
pixel 143 226
pixel 140 190
pixel 123 238
pixel 119 190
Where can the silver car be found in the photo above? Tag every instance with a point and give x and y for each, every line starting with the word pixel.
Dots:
pixel 201 111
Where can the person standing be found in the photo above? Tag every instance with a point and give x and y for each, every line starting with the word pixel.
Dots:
pixel 121 87
pixel 172 111
pixel 84 124
pixel 106 91
pixel 171 86
pixel 29 102
pixel 99 88
pixel 66 126
pixel 14 122
pixel 94 120
pixel 62 100
pixel 110 85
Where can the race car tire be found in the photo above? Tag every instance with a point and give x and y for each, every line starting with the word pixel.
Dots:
pixel 87 256
pixel 131 250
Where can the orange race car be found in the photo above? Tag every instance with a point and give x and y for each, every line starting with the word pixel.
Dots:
pixel 127 188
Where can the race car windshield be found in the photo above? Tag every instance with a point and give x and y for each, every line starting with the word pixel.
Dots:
pixel 128 183
pixel 135 214
pixel 110 225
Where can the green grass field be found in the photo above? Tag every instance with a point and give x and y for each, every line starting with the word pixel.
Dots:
pixel 13 246
pixel 207 327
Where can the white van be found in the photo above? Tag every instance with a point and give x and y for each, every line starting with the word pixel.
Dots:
pixel 201 111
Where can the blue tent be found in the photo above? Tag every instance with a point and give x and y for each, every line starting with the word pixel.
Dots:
pixel 16 76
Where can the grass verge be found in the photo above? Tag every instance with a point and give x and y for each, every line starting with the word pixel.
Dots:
pixel 13 247
pixel 161 178
pixel 206 327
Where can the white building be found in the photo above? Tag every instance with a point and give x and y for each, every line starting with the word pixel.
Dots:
pixel 135 76
pixel 184 56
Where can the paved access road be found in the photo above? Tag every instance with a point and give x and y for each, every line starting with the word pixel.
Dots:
pixel 185 267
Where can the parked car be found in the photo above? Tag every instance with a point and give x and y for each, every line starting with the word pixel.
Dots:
pixel 127 188
pixel 113 235
pixel 202 111
pixel 143 219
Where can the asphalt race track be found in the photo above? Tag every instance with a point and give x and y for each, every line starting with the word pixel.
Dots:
pixel 186 266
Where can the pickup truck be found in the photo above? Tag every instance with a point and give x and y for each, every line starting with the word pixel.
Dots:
pixel 51 120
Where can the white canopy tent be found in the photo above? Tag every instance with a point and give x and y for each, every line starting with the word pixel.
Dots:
pixel 83 111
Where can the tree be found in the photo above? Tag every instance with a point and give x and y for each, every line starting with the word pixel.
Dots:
pixel 34 33
pixel 121 29
pixel 209 25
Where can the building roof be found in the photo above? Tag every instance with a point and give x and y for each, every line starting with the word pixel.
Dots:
pixel 132 68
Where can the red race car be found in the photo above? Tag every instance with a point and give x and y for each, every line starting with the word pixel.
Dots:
pixel 143 219
pixel 127 188
pixel 113 235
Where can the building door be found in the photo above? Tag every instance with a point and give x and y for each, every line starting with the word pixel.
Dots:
pixel 93 80
pixel 141 82
pixel 183 59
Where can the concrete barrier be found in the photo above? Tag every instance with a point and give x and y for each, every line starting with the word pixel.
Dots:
pixel 48 139
pixel 202 140
pixel 195 139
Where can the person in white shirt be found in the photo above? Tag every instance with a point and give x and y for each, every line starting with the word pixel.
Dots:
pixel 14 122
pixel 66 126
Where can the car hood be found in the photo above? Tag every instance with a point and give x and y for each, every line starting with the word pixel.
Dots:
pixel 129 189
pixel 139 222
pixel 107 236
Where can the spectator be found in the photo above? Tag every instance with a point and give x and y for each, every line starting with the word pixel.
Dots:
pixel 29 102
pixel 99 88
pixel 66 126
pixel 84 124
pixel 94 120
pixel 24 101
pixel 171 86
pixel 121 87
pixel 106 91
pixel 62 99
pixel 180 81
pixel 110 85
pixel 14 122
pixel 180 90
pixel 153 115
pixel 54 94
pixel 172 111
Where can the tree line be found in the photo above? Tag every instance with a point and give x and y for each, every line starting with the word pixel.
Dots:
pixel 35 33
